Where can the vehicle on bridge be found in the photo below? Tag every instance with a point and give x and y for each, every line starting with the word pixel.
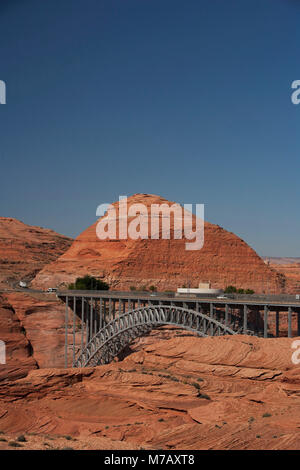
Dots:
pixel 52 289
pixel 23 284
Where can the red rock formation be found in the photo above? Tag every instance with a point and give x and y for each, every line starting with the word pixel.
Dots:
pixel 25 249
pixel 292 274
pixel 42 318
pixel 184 393
pixel 225 259
pixel 19 359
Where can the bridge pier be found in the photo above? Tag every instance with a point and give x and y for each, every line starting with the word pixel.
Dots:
pixel 82 322
pixel 87 327
pixel 66 331
pixel 226 314
pixel 101 312
pixel 74 319
pixel 277 324
pixel 91 319
pixel 104 313
pixel 245 323
pixel 109 310
pixel 266 313
pixel 211 314
pixel 290 313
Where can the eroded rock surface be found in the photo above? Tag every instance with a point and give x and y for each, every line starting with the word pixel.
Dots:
pixel 25 249
pixel 183 393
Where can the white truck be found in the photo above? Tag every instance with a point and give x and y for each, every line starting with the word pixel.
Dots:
pixel 23 284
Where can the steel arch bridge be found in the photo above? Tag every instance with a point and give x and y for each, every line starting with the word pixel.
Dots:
pixel 110 340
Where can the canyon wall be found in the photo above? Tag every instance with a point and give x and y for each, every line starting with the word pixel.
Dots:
pixel 25 249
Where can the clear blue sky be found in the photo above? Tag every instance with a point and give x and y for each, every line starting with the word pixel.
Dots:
pixel 187 99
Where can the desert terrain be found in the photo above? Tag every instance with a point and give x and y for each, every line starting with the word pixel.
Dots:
pixel 178 393
pixel 168 389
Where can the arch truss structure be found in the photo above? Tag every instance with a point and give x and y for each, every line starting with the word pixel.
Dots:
pixel 110 340
pixel 100 324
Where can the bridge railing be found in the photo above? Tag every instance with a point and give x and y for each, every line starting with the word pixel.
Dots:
pixel 174 295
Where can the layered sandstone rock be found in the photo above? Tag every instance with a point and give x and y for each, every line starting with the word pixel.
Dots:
pixel 32 326
pixel 19 353
pixel 184 393
pixel 25 249
pixel 290 269
pixel 225 259
pixel 43 321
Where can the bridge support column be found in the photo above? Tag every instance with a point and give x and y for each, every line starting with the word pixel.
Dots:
pixel 91 317
pixel 277 324
pixel 290 312
pixel 109 310
pixel 245 325
pixel 211 314
pixel 104 313
pixel 226 314
pixel 87 322
pixel 101 313
pixel 257 321
pixel 66 331
pixel 114 309
pixel 82 323
pixel 266 312
pixel 74 320
pixel 96 322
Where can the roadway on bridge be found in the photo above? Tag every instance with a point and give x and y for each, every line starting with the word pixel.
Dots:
pixel 161 297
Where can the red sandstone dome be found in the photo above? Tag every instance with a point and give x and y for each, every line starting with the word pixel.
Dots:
pixel 224 260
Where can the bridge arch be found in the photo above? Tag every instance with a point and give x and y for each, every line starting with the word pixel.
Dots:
pixel 110 340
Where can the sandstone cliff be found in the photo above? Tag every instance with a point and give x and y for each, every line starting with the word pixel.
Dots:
pixel 290 269
pixel 225 259
pixel 19 354
pixel 25 249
